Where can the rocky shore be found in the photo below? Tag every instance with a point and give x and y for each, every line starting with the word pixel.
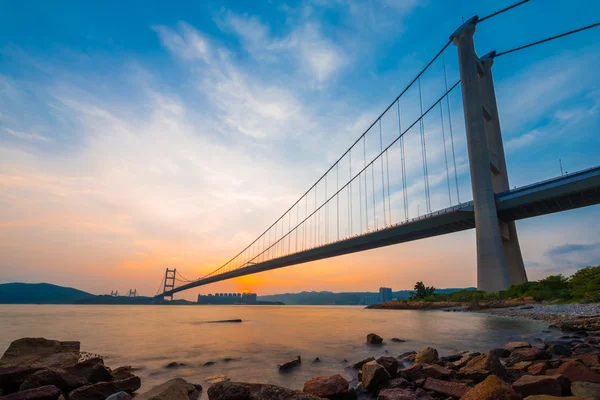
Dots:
pixel 552 365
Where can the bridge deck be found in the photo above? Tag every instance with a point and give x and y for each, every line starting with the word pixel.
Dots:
pixel 559 194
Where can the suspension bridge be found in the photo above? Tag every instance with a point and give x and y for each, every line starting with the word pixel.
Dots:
pixel 399 181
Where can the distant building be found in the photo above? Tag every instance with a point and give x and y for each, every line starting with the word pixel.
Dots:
pixel 368 299
pixel 385 294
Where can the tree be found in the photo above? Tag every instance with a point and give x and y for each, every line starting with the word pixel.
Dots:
pixel 421 291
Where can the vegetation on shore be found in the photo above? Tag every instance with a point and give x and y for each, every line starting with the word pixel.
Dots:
pixel 582 286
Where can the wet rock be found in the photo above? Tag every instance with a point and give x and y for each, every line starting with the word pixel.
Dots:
pixel 374 375
pixel 586 390
pixel 447 388
pixel 396 394
pixel 560 349
pixel 452 358
pixel 576 371
pixel 217 378
pixel 398 340
pixel 101 390
pixel 119 396
pixel 510 346
pixel 541 346
pixel 174 364
pixel 123 372
pixel 538 368
pixel 85 369
pixel 359 364
pixel 316 360
pixel 63 380
pixel 254 391
pixel 427 355
pixel 208 363
pixel 527 354
pixel 330 387
pixel 397 383
pixel 373 338
pixel 522 366
pixel 413 373
pixel 229 359
pixel 174 389
pixel 41 393
pixel 592 340
pixel 28 355
pixel 465 359
pixel 288 365
pixel 436 371
pixel 100 373
pixel 482 366
pixel 529 385
pixel 501 352
pixel 492 388
pixel 224 321
pixel 390 364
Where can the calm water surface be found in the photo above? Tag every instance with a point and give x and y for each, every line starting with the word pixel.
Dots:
pixel 149 337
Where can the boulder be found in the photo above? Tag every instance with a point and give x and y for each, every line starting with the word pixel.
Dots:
pixel 464 360
pixel 254 391
pixel 330 387
pixel 395 339
pixel 55 377
pixel 358 365
pixel 436 371
pixel 501 352
pixel 91 368
pixel 396 394
pixel 586 390
pixel 101 390
pixel 413 373
pixel 373 338
pixel 390 364
pixel 482 366
pixel 288 365
pixel 527 354
pixel 119 396
pixel 374 375
pixel 28 355
pixel 510 346
pixel 522 365
pixel 529 385
pixel 123 372
pixel 174 364
pixel 427 355
pixel 576 371
pixel 538 368
pixel 560 349
pixel 492 388
pixel 397 383
pixel 40 393
pixel 446 388
pixel 589 359
pixel 174 389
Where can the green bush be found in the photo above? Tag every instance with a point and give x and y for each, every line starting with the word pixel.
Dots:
pixel 552 287
pixel 585 283
pixel 421 291
pixel 463 296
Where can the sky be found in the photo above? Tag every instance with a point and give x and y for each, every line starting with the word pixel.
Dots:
pixel 141 135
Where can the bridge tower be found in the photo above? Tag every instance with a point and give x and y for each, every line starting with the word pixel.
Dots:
pixel 499 259
pixel 169 282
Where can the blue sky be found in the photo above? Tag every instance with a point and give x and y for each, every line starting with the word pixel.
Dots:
pixel 136 135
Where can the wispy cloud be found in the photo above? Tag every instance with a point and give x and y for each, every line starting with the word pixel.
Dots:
pixel 32 137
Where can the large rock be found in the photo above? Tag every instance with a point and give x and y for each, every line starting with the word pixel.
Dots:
pixel 511 346
pixel 28 355
pixel 120 396
pixel 359 364
pixel 529 385
pixel 527 354
pixel 538 368
pixel 123 372
pixel 330 387
pixel 396 394
pixel 41 393
pixel 482 366
pixel 589 359
pixel 253 391
pixel 175 389
pixel 576 371
pixel 92 369
pixel 436 371
pixel 60 378
pixel 447 388
pixel 492 388
pixel 413 373
pixel 427 355
pixel 101 390
pixel 373 338
pixel 286 366
pixel 390 364
pixel 586 390
pixel 374 375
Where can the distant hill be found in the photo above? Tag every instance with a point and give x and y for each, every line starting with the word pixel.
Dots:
pixel 40 293
pixel 347 298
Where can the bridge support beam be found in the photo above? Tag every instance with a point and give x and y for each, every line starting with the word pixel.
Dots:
pixel 482 127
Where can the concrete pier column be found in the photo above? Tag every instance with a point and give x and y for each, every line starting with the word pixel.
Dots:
pixel 508 230
pixel 492 271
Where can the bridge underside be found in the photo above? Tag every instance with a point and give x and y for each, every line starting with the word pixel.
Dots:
pixel 560 194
